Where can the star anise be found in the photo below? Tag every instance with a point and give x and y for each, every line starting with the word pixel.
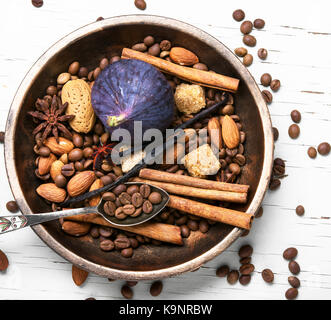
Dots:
pixel 51 118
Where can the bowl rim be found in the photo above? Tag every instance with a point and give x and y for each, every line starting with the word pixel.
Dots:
pixel 93 27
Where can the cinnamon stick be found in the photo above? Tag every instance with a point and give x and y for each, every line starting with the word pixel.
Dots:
pixel 197 192
pixel 204 78
pixel 158 231
pixel 163 176
pixel 224 215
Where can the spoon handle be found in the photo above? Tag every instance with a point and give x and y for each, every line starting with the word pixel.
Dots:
pixel 16 222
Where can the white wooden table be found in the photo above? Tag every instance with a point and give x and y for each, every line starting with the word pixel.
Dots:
pixel 298 37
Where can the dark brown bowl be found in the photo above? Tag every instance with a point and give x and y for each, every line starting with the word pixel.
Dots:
pixel 88 45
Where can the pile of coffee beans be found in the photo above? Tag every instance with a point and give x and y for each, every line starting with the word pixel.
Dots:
pixel 12 206
pixel 130 200
pixel 290 254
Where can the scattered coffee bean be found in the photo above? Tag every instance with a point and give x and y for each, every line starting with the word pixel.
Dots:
pixel 147 206
pixel 145 190
pixel 75 154
pixel 275 85
pixel 60 181
pixel 294 267
pixel 259 23
pixel 246 27
pixel 247 269
pixel 294 281
pixel 267 275
pixel 12 206
pixel 296 116
pixel 222 271
pixel 249 40
pixel 2 137
pixel 248 60
pixel 324 148
pixel 290 253
pixel 245 279
pixel 262 53
pixel 246 260
pixel 37 3
pixel 68 170
pixel 3 261
pixel 149 41
pixel 125 198
pixel 110 208
pixel 140 4
pixel 137 199
pixel 238 15
pixel 300 210
pixel 245 251
pixel 275 133
pixel 156 288
pixel 129 209
pixel 294 131
pixel 127 292
pixel 267 96
pixel 266 79
pixel 259 213
pixel 291 293
pixel 274 184
pixel 312 152
pixel 74 68
pixel 232 276
pixel 240 52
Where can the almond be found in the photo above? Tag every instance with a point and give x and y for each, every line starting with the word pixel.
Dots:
pixel 51 192
pixel 94 201
pixel 79 183
pixel 215 132
pixel 3 261
pixel 64 145
pixel 56 168
pixel 183 56
pixel 230 132
pixel 45 163
pixel 79 275
pixel 64 158
pixel 76 229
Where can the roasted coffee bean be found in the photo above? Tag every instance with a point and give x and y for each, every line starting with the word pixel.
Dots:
pixel 105 231
pixel 267 96
pixel 248 60
pixel 94 232
pixel 259 23
pixel 12 206
pixel 147 206
pixel 119 189
pixel 106 245
pixel 145 190
pixel 274 184
pixel 114 59
pixel 129 209
pixel 132 189
pixel 193 225
pixel 185 231
pixel 165 45
pixel 291 293
pixel 240 52
pixel 294 131
pixel 154 50
pixel 103 63
pixel 296 116
pixel 300 210
pixel 106 180
pixel 246 269
pixel 37 3
pixel 200 66
pixel 275 133
pixel 140 4
pixel 232 276
pixel 155 197
pixel 74 68
pixel 60 181
pixel 139 47
pixel 125 198
pixel 249 40
pixel 2 137
pixel 262 53
pixel 83 72
pixel 279 162
pixel 77 139
pixel 126 290
pixel 96 72
pixel 267 275
pixel 278 170
pixel 137 212
pixel 228 110
pixel 246 27
pixel 294 281
pixel 98 129
pixel 109 207
pixel 275 85
pixel 68 170
pixel 134 243
pixel 127 252
pixel 149 41
pixel 234 168
pixel 203 226
pixel 44 177
pixel 119 214
pixel 182 220
pixel 222 271
pixel 100 19
pixel 294 267
pixel 259 213
pixel 122 243
pixel 246 260
pixel 266 79
pixel 245 251
pixel 137 199
pixel 118 203
pixel 44 151
pixel 245 279
pixel 87 152
pixel 75 154
pixel 312 152
pixel 324 148
pixel 98 174
pixel 245 233
pixel 156 288
pixel 238 15
pixel 51 90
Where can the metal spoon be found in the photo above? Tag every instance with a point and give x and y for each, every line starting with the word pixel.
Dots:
pixel 16 222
